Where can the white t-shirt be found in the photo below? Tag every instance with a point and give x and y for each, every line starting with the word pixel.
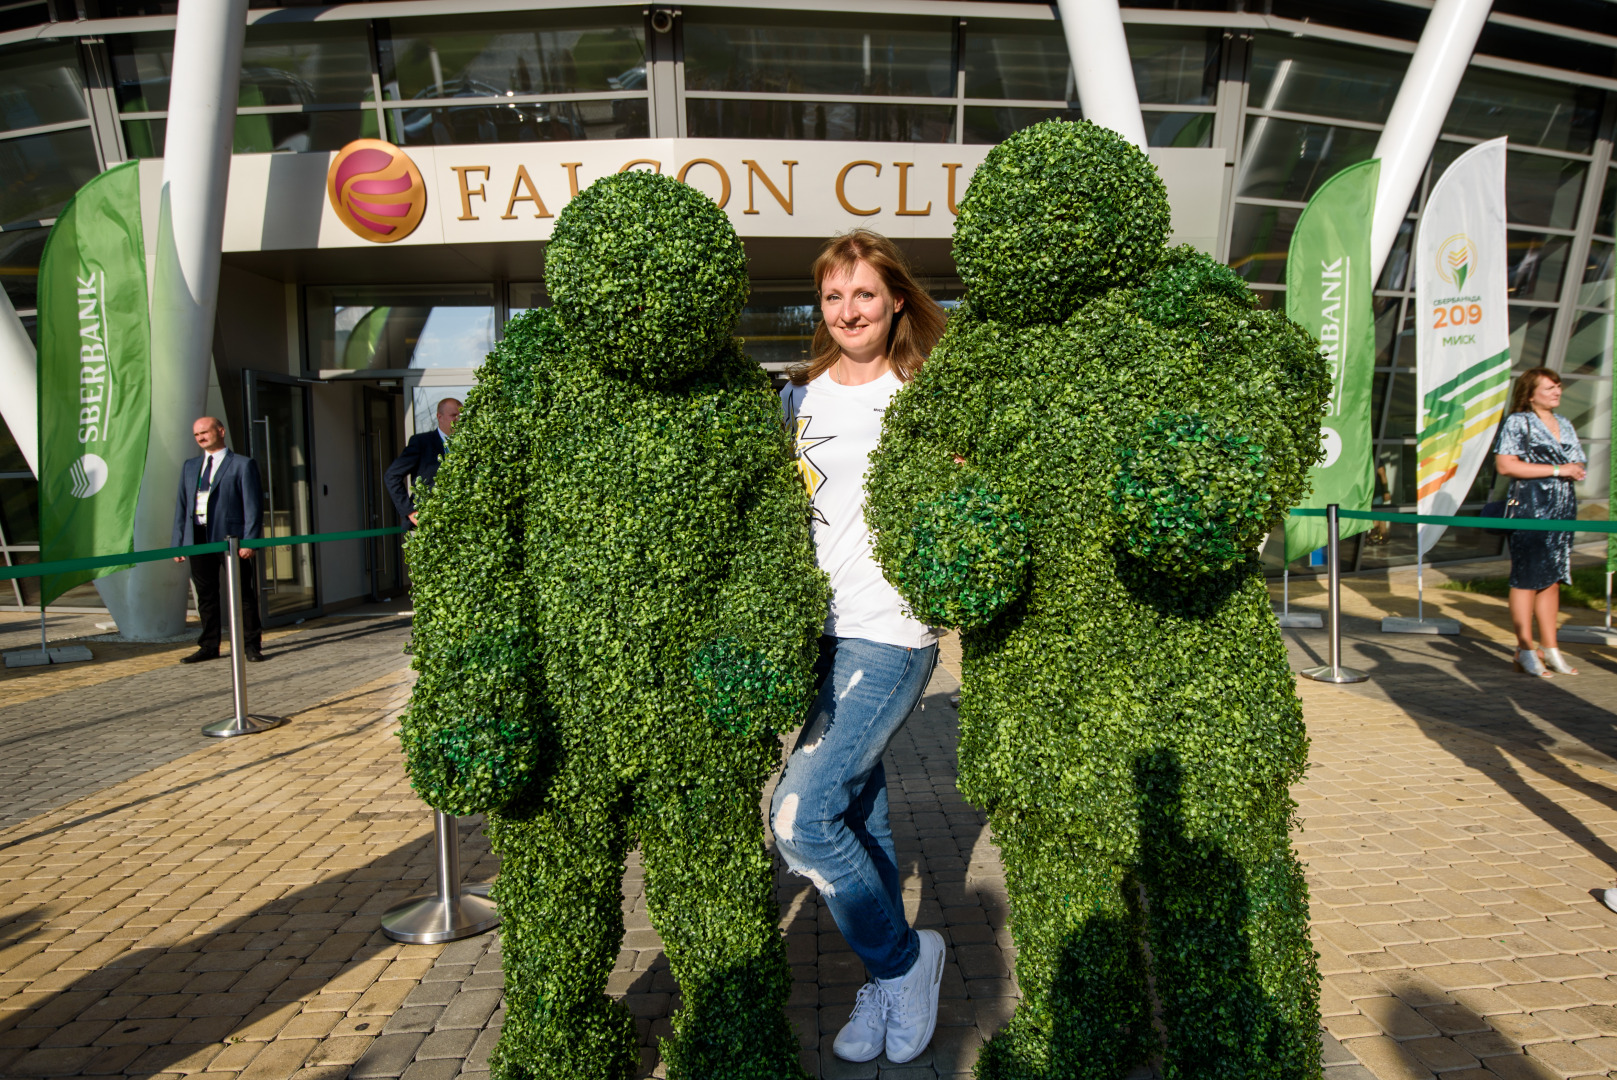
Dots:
pixel 835 429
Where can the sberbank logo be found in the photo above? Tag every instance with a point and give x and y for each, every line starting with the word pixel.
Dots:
pixel 1456 257
pixel 376 190
pixel 88 474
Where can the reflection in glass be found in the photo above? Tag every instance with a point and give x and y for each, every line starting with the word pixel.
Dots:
pixel 1535 265
pixel 909 56
pixel 1178 129
pixel 19 510
pixel 1259 237
pixel 144 138
pixel 19 266
pixel 1531 112
pixel 1304 75
pixel 11 459
pixel 709 118
pixel 1392 274
pixel 1285 159
pixel 43 171
pixel 1588 351
pixel 1392 347
pixel 1596 290
pixel 361 327
pixel 1529 336
pixel 497 56
pixel 264 133
pixel 777 327
pixel 1594 490
pixel 525 296
pixel 1606 220
pixel 1587 404
pixel 533 121
pixel 1401 406
pixel 280 445
pixel 986 125
pixel 1174 65
pixel 424 404
pixel 140 70
pixel 306 64
pixel 1015 59
pixel 1543 190
pixel 41 85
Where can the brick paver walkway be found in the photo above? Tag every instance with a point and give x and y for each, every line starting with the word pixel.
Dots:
pixel 212 912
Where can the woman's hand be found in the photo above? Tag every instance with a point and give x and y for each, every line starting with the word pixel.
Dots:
pixel 1514 467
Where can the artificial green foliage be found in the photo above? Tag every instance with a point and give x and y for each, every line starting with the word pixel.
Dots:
pixel 1128 718
pixel 617 607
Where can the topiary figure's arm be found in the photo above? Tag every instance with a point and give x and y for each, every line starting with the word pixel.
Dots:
pixel 474 734
pixel 1191 496
pixel 947 536
pixel 1198 485
pixel 755 675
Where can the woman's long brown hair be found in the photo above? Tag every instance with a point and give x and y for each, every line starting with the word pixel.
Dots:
pixel 917 325
pixel 1521 398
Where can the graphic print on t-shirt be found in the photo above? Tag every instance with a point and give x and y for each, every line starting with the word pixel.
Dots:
pixel 802 443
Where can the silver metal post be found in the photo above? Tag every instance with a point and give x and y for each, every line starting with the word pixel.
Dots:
pixel 1608 599
pixel 1420 579
pixel 1334 672
pixel 452 912
pixel 45 641
pixel 239 722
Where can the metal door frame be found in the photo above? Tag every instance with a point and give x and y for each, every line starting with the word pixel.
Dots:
pixel 251 380
pixel 368 454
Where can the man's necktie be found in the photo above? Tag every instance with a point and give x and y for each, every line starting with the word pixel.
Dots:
pixel 207 473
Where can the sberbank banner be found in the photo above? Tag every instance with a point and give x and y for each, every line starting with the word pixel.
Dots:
pixel 1462 329
pixel 1328 292
pixel 94 377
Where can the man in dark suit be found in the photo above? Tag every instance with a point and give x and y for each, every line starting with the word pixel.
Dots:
pixel 420 459
pixel 220 496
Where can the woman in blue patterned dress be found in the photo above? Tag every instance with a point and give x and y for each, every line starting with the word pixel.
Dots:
pixel 1539 450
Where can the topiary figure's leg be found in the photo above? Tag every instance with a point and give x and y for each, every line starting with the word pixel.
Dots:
pixel 561 902
pixel 710 894
pixel 1227 923
pixel 1084 1012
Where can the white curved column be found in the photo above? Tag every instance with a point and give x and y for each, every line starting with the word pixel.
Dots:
pixel 1100 64
pixel 148 601
pixel 19 383
pixel 1417 115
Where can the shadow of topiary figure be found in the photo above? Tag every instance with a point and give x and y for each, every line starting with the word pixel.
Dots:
pixel 1078 479
pixel 617 607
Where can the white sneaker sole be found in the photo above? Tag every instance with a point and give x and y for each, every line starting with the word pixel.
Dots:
pixel 932 1021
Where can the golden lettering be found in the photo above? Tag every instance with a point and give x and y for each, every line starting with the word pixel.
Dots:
pixel 572 175
pixel 466 193
pixel 754 169
pixel 952 166
pixel 524 180
pixel 904 190
pixel 842 180
pixel 656 166
pixel 724 177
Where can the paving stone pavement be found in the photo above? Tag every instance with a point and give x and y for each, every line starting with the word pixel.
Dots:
pixel 69 731
pixel 215 915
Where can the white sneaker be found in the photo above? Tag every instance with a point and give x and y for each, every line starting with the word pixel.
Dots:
pixel 1609 898
pixel 865 1033
pixel 912 1002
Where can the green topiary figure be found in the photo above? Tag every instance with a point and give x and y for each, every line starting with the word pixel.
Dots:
pixel 617 608
pixel 1078 479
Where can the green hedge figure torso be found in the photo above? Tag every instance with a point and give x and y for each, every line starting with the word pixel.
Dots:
pixel 616 610
pixel 1130 427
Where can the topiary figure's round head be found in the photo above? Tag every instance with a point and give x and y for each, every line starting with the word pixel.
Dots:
pixel 647 277
pixel 1058 212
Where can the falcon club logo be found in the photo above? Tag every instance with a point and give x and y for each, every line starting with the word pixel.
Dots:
pixel 376 190
pixel 1455 258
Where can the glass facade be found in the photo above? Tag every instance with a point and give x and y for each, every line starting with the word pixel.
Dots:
pixel 1290 105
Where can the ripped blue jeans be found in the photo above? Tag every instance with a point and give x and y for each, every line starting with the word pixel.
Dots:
pixel 829 812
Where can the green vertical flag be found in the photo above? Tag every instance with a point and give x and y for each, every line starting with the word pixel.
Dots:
pixel 94 377
pixel 1328 292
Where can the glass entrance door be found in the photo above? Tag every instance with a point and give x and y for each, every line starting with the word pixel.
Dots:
pixel 381 443
pixel 278 423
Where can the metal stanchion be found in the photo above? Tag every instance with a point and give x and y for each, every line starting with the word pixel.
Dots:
pixel 1334 672
pixel 450 914
pixel 241 722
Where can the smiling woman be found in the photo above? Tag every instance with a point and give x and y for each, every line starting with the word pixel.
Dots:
pixel 830 807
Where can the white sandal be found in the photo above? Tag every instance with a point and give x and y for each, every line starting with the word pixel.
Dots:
pixel 1556 662
pixel 1528 663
